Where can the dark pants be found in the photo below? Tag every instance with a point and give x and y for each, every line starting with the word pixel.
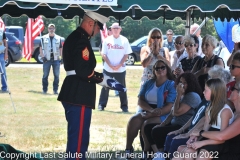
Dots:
pixel 171 145
pixel 79 120
pixel 158 135
pixel 120 77
pixel 56 71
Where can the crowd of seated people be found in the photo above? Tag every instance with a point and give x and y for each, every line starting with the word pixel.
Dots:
pixel 156 98
pixel 177 118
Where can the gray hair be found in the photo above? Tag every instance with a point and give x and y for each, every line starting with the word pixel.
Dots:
pixel 210 39
pixel 218 71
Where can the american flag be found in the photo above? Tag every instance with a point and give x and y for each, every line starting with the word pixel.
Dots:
pixel 33 29
pixel 2 25
pixel 104 32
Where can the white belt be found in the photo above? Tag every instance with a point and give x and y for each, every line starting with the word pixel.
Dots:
pixel 72 72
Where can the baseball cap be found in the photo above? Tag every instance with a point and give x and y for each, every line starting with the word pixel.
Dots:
pixel 115 25
pixel 51 25
pixel 100 19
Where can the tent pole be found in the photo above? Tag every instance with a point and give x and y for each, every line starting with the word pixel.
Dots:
pixel 187 27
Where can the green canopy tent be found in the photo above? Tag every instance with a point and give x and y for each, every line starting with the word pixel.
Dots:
pixel 153 9
pixel 136 9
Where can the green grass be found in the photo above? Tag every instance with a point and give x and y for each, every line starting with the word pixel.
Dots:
pixel 97 56
pixel 39 125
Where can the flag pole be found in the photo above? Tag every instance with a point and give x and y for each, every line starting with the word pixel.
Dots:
pixel 9 92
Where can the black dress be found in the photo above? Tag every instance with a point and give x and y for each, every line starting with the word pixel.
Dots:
pixel 200 64
pixel 187 64
pixel 233 147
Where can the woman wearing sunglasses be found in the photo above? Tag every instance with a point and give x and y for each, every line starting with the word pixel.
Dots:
pixel 156 98
pixel 231 134
pixel 202 66
pixel 152 52
pixel 191 44
pixel 186 102
pixel 235 71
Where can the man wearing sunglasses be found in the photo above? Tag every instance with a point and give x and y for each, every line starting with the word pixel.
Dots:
pixel 169 42
pixel 51 52
pixel 179 53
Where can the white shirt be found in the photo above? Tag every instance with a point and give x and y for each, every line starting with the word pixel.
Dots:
pixel 200 47
pixel 176 60
pixel 219 120
pixel 115 49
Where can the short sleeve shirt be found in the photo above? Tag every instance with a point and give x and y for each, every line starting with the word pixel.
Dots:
pixel 192 99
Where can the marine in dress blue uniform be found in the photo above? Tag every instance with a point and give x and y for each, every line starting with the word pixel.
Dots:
pixel 78 92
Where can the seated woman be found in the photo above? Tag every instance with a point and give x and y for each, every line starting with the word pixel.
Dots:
pixel 218 116
pixel 231 134
pixel 155 98
pixel 203 65
pixel 176 138
pixel 191 44
pixel 187 100
pixel 235 71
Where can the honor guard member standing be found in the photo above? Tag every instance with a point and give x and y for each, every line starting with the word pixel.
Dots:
pixel 51 52
pixel 3 57
pixel 78 92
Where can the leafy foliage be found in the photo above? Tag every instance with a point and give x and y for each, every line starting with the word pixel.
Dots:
pixel 130 28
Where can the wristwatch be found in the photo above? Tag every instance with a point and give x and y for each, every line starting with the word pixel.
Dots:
pixel 200 133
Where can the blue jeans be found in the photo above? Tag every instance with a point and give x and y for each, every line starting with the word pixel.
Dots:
pixel 3 76
pixel 171 145
pixel 56 71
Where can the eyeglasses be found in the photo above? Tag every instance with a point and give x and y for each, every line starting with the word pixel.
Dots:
pixel 51 28
pixel 178 43
pixel 232 66
pixel 191 45
pixel 234 88
pixel 169 34
pixel 154 37
pixel 158 68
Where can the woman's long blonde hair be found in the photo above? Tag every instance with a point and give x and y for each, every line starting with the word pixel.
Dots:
pixel 218 98
pixel 149 43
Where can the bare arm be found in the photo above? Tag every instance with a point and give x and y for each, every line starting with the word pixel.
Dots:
pixel 144 105
pixel 232 131
pixel 167 55
pixel 220 62
pixel 104 56
pixel 225 116
pixel 178 107
pixel 145 57
pixel 183 128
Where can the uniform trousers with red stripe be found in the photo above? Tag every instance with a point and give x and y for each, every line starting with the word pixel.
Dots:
pixel 79 120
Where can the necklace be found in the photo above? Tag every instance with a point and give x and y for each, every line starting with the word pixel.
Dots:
pixel 209 59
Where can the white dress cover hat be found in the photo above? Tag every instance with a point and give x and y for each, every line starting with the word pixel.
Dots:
pixel 100 19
